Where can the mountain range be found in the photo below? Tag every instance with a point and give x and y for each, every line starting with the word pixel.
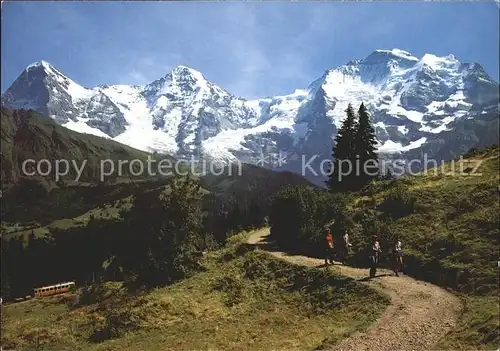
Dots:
pixel 431 104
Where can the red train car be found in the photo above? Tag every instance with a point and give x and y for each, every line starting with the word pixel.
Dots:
pixel 53 289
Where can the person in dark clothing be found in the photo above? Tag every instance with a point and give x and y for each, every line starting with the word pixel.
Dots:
pixel 328 247
pixel 398 258
pixel 374 256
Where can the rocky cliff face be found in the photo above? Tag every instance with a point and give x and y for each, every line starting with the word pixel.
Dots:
pixel 436 104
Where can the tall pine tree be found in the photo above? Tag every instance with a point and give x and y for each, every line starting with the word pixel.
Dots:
pixel 343 156
pixel 365 148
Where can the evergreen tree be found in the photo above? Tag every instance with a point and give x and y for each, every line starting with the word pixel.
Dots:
pixel 365 149
pixel 159 247
pixel 341 178
pixel 6 294
pixel 5 291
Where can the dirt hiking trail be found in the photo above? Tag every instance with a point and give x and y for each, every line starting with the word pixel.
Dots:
pixel 419 314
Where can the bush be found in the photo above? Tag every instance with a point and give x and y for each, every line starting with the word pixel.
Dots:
pixel 98 293
pixel 232 287
pixel 399 203
pixel 116 323
pixel 299 216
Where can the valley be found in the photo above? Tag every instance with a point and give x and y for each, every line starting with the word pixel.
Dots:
pixel 239 281
pixel 250 176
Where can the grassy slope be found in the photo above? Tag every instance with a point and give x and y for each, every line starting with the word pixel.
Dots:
pixel 107 211
pixel 104 210
pixel 244 300
pixel 451 237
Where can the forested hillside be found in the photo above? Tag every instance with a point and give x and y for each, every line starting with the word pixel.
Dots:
pixel 103 223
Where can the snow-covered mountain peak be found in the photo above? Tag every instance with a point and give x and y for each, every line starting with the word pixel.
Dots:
pixel 188 79
pixel 183 70
pixel 437 62
pixel 378 66
pixel 42 69
pixel 39 64
pixel 412 101
pixel 392 54
pixel 186 73
pixel 44 88
pixel 50 76
pixel 182 82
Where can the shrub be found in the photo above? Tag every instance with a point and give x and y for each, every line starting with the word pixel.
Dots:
pixel 98 293
pixel 115 324
pixel 232 287
pixel 399 203
pixel 300 214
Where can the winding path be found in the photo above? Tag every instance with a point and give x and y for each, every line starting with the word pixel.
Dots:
pixel 419 314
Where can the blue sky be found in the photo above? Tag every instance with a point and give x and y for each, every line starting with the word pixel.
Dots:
pixel 252 49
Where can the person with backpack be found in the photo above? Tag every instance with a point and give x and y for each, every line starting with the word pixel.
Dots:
pixel 328 247
pixel 398 257
pixel 375 252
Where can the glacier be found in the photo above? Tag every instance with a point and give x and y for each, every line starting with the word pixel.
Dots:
pixel 412 101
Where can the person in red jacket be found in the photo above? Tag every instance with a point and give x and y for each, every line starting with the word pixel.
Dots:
pixel 329 247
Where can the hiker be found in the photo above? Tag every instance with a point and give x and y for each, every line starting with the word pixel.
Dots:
pixel 374 256
pixel 328 247
pixel 398 258
pixel 345 247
